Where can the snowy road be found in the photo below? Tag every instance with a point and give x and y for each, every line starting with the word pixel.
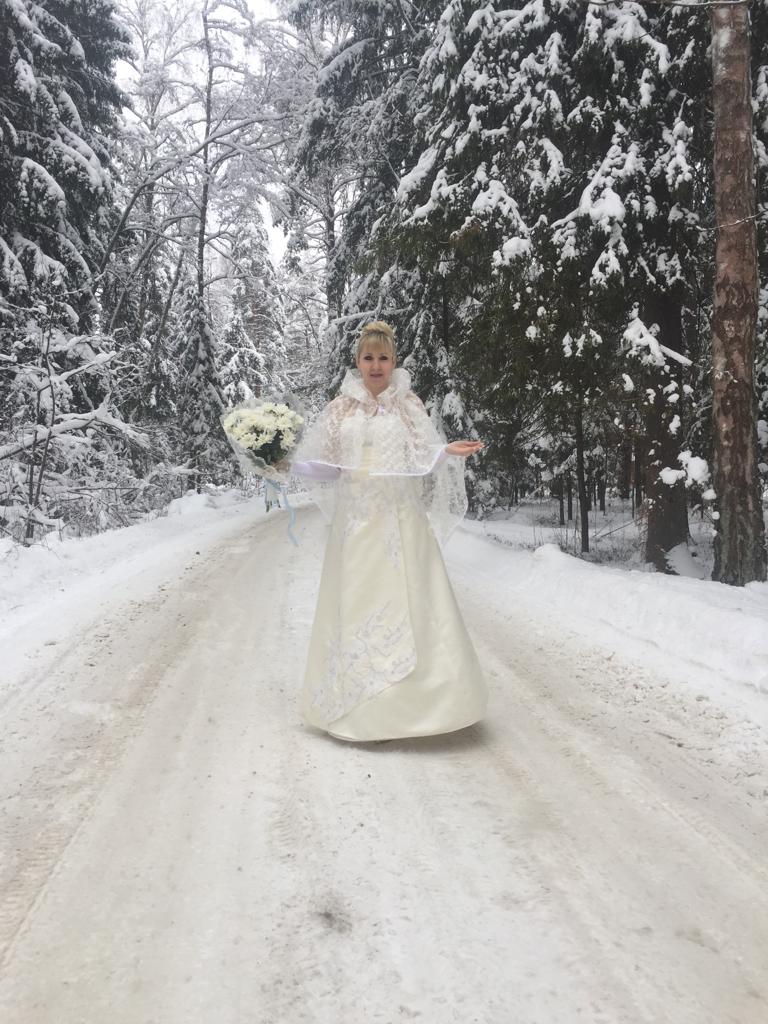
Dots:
pixel 177 849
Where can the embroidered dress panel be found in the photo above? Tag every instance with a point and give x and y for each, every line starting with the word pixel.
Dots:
pixel 362 640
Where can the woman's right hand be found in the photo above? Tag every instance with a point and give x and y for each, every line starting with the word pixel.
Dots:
pixel 464 448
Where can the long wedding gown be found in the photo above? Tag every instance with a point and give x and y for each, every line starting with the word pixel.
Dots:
pixel 389 654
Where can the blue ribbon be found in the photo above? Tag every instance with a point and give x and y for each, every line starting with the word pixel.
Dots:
pixel 291 510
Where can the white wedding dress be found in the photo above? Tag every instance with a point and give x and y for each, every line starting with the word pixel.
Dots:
pixel 389 654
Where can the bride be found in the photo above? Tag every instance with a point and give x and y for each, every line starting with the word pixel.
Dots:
pixel 389 655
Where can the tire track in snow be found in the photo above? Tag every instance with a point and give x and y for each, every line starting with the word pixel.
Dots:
pixel 557 863
pixel 66 732
pixel 652 843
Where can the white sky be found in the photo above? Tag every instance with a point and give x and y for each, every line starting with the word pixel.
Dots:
pixel 263 8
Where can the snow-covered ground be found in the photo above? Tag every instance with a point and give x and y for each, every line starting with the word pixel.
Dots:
pixel 50 590
pixel 178 849
pixel 708 635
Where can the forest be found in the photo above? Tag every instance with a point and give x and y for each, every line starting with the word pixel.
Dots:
pixel 560 206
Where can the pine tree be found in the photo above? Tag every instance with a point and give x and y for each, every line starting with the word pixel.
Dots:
pixel 256 304
pixel 58 103
pixel 559 179
pixel 243 375
pixel 201 403
pixel 58 107
pixel 357 139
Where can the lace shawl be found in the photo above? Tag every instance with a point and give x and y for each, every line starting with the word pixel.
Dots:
pixel 390 435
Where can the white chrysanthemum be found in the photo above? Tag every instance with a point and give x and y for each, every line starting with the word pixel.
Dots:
pixel 255 429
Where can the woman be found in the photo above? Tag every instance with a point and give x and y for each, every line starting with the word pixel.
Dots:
pixel 389 655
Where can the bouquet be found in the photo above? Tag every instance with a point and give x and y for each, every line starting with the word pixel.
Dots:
pixel 263 433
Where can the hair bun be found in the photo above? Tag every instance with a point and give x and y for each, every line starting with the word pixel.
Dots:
pixel 378 327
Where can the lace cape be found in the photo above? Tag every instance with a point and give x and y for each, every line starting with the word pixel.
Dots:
pixel 388 436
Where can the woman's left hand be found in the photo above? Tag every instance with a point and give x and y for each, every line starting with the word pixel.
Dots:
pixel 464 448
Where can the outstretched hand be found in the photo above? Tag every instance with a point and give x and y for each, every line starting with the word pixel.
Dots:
pixel 464 448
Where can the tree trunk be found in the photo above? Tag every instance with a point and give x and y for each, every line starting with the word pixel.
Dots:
pixel 625 469
pixel 446 331
pixel 200 356
pixel 740 542
pixel 667 509
pixel 581 478
pixel 332 293
pixel 601 489
pixel 147 273
pixel 334 282
pixel 158 339
pixel 561 499
pixel 205 193
pixel 637 478
pixel 570 497
pixel 45 413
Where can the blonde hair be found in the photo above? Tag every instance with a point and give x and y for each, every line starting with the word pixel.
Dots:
pixel 377 334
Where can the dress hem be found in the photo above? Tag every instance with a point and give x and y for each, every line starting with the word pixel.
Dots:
pixel 443 731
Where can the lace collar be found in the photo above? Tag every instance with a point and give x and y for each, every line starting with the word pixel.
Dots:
pixel 399 385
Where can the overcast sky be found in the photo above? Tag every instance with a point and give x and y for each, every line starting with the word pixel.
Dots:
pixel 263 9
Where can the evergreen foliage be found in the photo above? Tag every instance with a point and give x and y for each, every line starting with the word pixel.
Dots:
pixel 58 103
pixel 525 191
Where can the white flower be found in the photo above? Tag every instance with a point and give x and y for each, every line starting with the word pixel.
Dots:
pixel 253 430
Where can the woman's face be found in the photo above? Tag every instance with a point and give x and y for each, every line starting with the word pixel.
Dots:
pixel 375 366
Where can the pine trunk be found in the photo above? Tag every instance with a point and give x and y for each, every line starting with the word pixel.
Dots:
pixel 570 497
pixel 581 479
pixel 740 541
pixel 637 478
pixel 667 509
pixel 625 470
pixel 602 486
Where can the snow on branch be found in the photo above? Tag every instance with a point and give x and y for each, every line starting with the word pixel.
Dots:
pixel 98 360
pixel 347 55
pixel 414 178
pixel 34 174
pixel 11 268
pixel 668 3
pixel 70 424
pixel 641 337
pixel 694 472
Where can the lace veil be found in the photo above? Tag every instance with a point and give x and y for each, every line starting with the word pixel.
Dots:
pixel 391 435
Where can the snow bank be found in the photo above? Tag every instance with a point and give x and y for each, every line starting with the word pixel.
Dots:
pixel 49 590
pixel 31 573
pixel 708 635
pixel 712 635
